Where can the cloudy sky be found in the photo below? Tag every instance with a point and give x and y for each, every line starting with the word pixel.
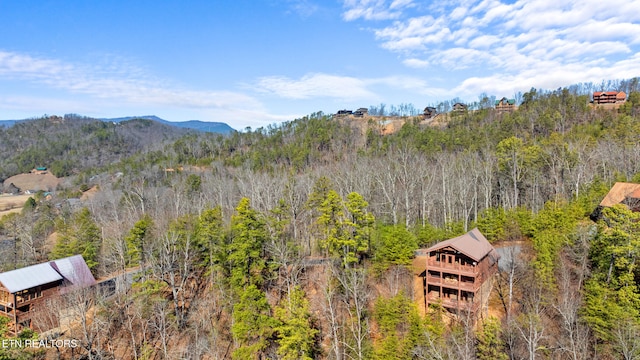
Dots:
pixel 257 62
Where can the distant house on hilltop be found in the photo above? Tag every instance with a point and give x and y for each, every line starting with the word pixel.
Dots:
pixel 459 107
pixel 344 112
pixel 505 105
pixel 627 194
pixel 361 112
pixel 24 292
pixel 429 112
pixel 459 272
pixel 609 97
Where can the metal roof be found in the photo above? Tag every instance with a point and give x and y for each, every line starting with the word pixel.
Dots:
pixel 473 244
pixel 29 277
pixel 72 269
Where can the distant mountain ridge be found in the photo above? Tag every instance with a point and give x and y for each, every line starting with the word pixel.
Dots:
pixel 204 126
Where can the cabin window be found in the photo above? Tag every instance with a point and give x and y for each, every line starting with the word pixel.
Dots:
pixel 450 259
pixel 438 257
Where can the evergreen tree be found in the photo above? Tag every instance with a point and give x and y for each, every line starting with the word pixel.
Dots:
pixel 400 327
pixel 490 344
pixel 253 327
pixel 210 238
pixel 296 335
pixel 81 236
pixel 395 246
pixel 245 259
pixel 137 239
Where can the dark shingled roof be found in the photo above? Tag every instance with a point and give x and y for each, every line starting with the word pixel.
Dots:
pixel 473 244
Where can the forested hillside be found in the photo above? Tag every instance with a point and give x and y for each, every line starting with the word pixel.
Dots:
pixel 295 241
pixel 70 144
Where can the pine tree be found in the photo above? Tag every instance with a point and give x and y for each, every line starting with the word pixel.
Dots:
pixel 253 326
pixel 296 335
pixel 79 236
pixel 245 251
pixel 136 240
pixel 490 344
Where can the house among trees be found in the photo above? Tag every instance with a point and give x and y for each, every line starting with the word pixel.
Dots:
pixel 429 112
pixel 609 97
pixel 627 194
pixel 459 272
pixel 459 107
pixel 505 105
pixel 24 292
pixel 344 112
pixel 361 112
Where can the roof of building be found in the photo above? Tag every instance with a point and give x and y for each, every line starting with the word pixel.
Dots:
pixel 72 269
pixel 29 277
pixel 618 94
pixel 504 100
pixel 619 192
pixel 473 244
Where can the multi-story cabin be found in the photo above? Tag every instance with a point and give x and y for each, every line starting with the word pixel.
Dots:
pixel 459 108
pixel 505 105
pixel 609 97
pixel 459 272
pixel 24 291
pixel 429 112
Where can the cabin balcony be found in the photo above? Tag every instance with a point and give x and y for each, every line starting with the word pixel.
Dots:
pixel 454 283
pixel 467 270
pixel 452 303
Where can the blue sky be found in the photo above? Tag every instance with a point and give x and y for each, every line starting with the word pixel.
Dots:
pixel 253 63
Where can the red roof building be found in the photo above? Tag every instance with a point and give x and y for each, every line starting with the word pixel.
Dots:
pixel 609 97
pixel 459 272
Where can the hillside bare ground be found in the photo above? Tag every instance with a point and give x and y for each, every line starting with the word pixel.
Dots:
pixel 43 181
pixel 12 203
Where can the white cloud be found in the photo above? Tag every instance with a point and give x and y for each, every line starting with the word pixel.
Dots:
pixel 374 9
pixel 314 86
pixel 116 82
pixel 505 45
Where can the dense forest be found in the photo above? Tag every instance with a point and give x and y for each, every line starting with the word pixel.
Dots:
pixel 295 241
